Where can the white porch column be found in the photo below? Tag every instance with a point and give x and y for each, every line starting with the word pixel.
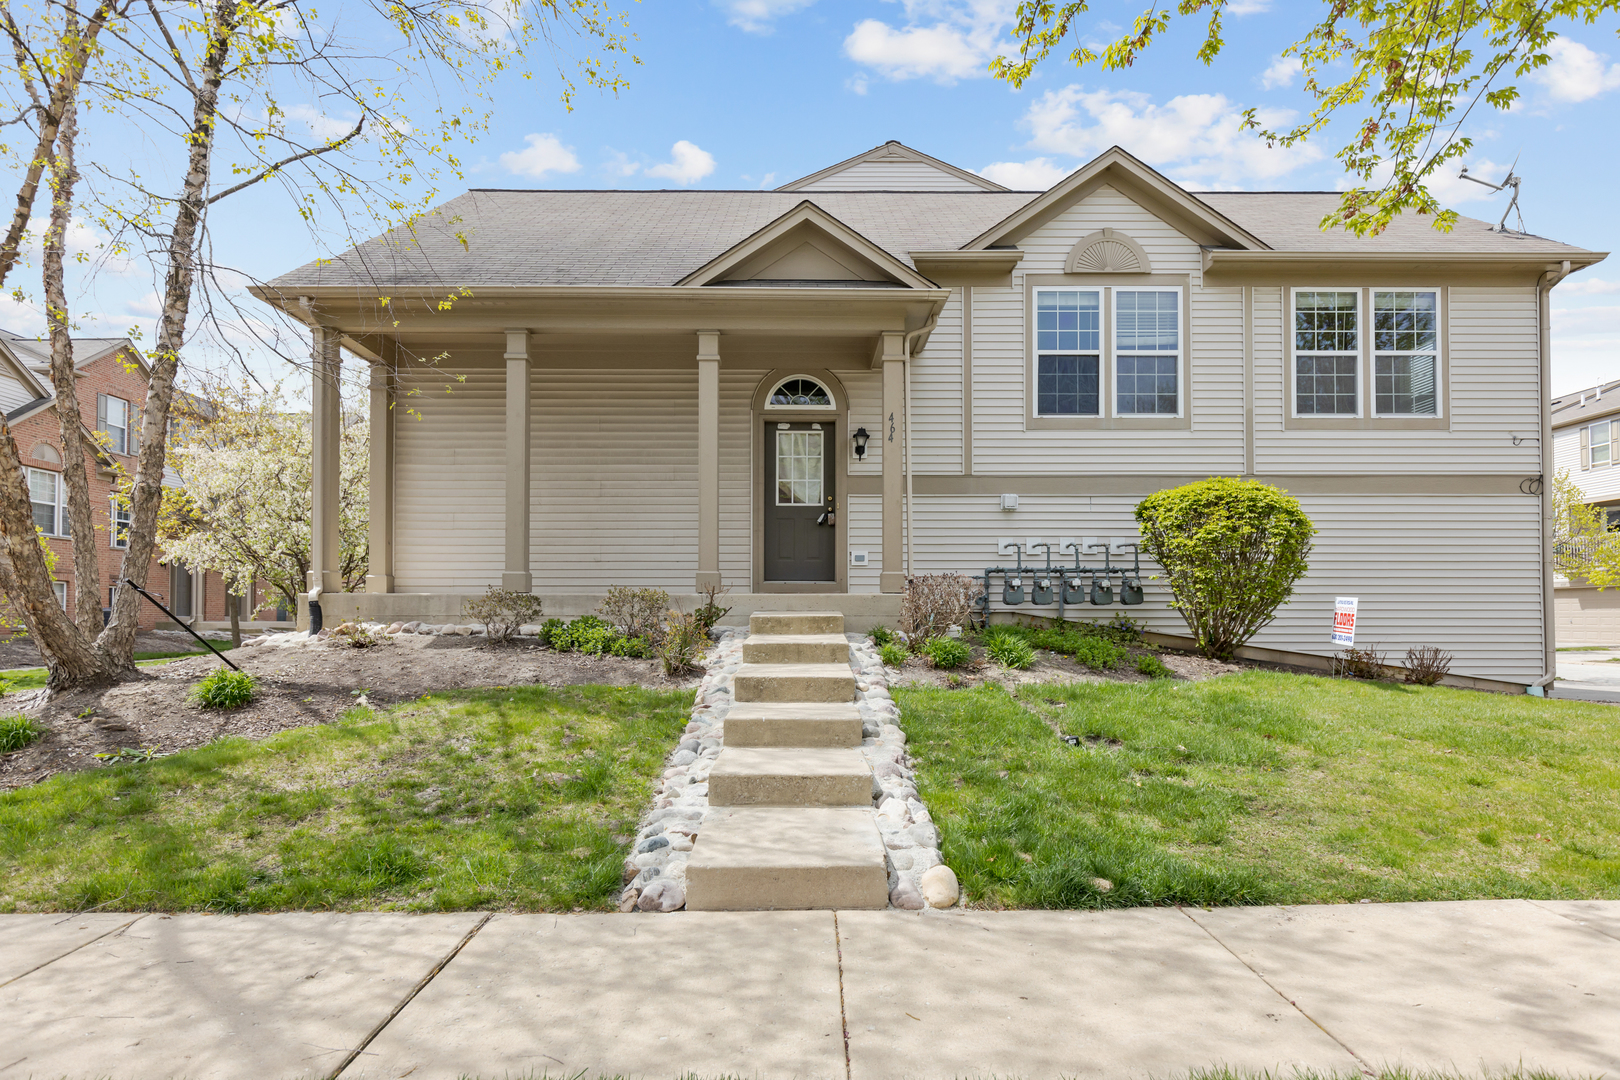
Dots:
pixel 708 364
pixel 891 354
pixel 380 563
pixel 326 430
pixel 517 576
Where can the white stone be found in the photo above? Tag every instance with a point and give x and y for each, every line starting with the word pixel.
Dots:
pixel 905 894
pixel 902 859
pixel 923 858
pixel 651 858
pixel 665 894
pixel 939 887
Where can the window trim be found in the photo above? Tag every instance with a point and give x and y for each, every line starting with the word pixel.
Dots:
pixel 1373 353
pixel 1102 352
pixel 55 533
pixel 60 589
pixel 1365 422
pixel 1294 354
pixel 1113 353
pixel 1585 444
pixel 832 399
pixel 106 425
pixel 113 522
pixel 1108 418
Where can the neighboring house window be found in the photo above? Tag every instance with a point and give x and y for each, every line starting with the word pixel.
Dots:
pixel 45 492
pixel 799 393
pixel 1068 352
pixel 1326 352
pixel 120 523
pixel 1600 450
pixel 112 420
pixel 1147 351
pixel 1406 353
pixel 60 589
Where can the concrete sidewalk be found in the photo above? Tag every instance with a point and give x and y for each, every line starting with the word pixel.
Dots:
pixel 869 995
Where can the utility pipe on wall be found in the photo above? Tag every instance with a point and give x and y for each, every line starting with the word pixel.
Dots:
pixel 1549 639
pixel 925 328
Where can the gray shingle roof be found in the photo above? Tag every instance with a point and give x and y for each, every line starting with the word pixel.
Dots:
pixel 657 237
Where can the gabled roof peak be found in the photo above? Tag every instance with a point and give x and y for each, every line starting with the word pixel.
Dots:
pixel 893 166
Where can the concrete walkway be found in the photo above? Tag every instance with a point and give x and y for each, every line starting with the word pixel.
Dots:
pixel 847 995
pixel 1588 675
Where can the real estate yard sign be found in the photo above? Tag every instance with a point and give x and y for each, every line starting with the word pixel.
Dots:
pixel 1344 621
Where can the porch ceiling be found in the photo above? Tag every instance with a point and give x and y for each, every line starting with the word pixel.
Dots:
pixel 640 351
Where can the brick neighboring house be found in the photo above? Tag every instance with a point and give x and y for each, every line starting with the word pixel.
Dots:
pixel 112 393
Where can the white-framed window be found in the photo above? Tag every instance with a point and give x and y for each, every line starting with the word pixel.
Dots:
pixel 1406 352
pixel 45 492
pixel 112 420
pixel 799 392
pixel 1600 443
pixel 1068 352
pixel 120 517
pixel 799 468
pixel 1147 352
pixel 1327 352
pixel 60 589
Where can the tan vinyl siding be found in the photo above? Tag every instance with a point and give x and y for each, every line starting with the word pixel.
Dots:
pixel 1046 249
pixel 936 395
pixel 736 476
pixel 1414 562
pixel 865 390
pixel 866 534
pixel 891 176
pixel 12 394
pixel 1494 395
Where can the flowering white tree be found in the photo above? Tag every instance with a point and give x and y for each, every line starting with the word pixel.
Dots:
pixel 243 505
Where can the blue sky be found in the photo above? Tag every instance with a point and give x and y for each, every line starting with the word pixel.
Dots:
pixel 754 93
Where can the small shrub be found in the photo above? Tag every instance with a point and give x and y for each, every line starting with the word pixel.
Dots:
pixel 548 630
pixel 355 636
pixel 1154 668
pixel 639 613
pixel 710 612
pixel 894 654
pixel 947 653
pixel 223 688
pixel 503 612
pixel 1355 663
pixel 1098 653
pixel 1427 665
pixel 1010 650
pixel 598 641
pixel 584 634
pixel 933 603
pixel 881 636
pixel 685 638
pixel 1122 628
pixel 17 731
pixel 1231 550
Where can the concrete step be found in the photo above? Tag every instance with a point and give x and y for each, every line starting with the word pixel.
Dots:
pixel 795 649
pixel 762 723
pixel 796 622
pixel 795 682
pixel 790 776
pixel 752 858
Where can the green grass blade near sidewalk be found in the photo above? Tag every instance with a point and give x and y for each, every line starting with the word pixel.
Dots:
pixel 516 799
pixel 1266 787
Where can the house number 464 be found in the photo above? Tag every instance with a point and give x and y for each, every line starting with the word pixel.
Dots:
pixel 891 427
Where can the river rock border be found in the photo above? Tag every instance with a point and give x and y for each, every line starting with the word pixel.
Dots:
pixel 655 871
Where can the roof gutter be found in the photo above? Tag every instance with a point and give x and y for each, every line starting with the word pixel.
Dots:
pixel 1549 622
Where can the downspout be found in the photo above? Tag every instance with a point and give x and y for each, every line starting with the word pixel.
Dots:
pixel 1549 640
pixel 926 328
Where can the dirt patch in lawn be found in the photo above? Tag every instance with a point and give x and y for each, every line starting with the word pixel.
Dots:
pixel 1051 667
pixel 298 685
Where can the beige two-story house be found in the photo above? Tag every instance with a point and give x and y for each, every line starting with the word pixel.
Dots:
pixel 894 366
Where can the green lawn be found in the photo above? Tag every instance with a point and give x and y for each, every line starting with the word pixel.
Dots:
pixel 1264 787
pixel 515 799
pixel 34 678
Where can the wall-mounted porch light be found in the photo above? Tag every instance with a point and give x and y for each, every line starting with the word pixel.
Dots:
pixel 860 443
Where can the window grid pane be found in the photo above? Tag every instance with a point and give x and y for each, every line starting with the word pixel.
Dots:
pixel 1600 443
pixel 1406 363
pixel 1067 386
pixel 42 492
pixel 1068 320
pixel 1326 361
pixel 798 468
pixel 1147 322
pixel 1325 385
pixel 1147 384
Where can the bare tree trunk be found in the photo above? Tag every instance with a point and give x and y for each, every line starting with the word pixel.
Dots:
pixel 235 604
pixel 117 641
pixel 75 448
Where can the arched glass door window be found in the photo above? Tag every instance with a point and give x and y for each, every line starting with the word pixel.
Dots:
pixel 799 392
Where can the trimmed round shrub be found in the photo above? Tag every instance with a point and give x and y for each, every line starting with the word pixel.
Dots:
pixel 223 688
pixel 947 653
pixel 1231 552
pixel 1010 650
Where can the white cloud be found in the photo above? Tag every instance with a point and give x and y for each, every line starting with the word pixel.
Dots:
pixel 941 39
pixel 1575 72
pixel 1585 342
pixel 322 127
pixel 620 165
pixel 150 305
pixel 688 164
pixel 544 154
pixel 1195 138
pixel 757 16
pixel 1587 287
pixel 1280 73
pixel 1037 174
pixel 1248 7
